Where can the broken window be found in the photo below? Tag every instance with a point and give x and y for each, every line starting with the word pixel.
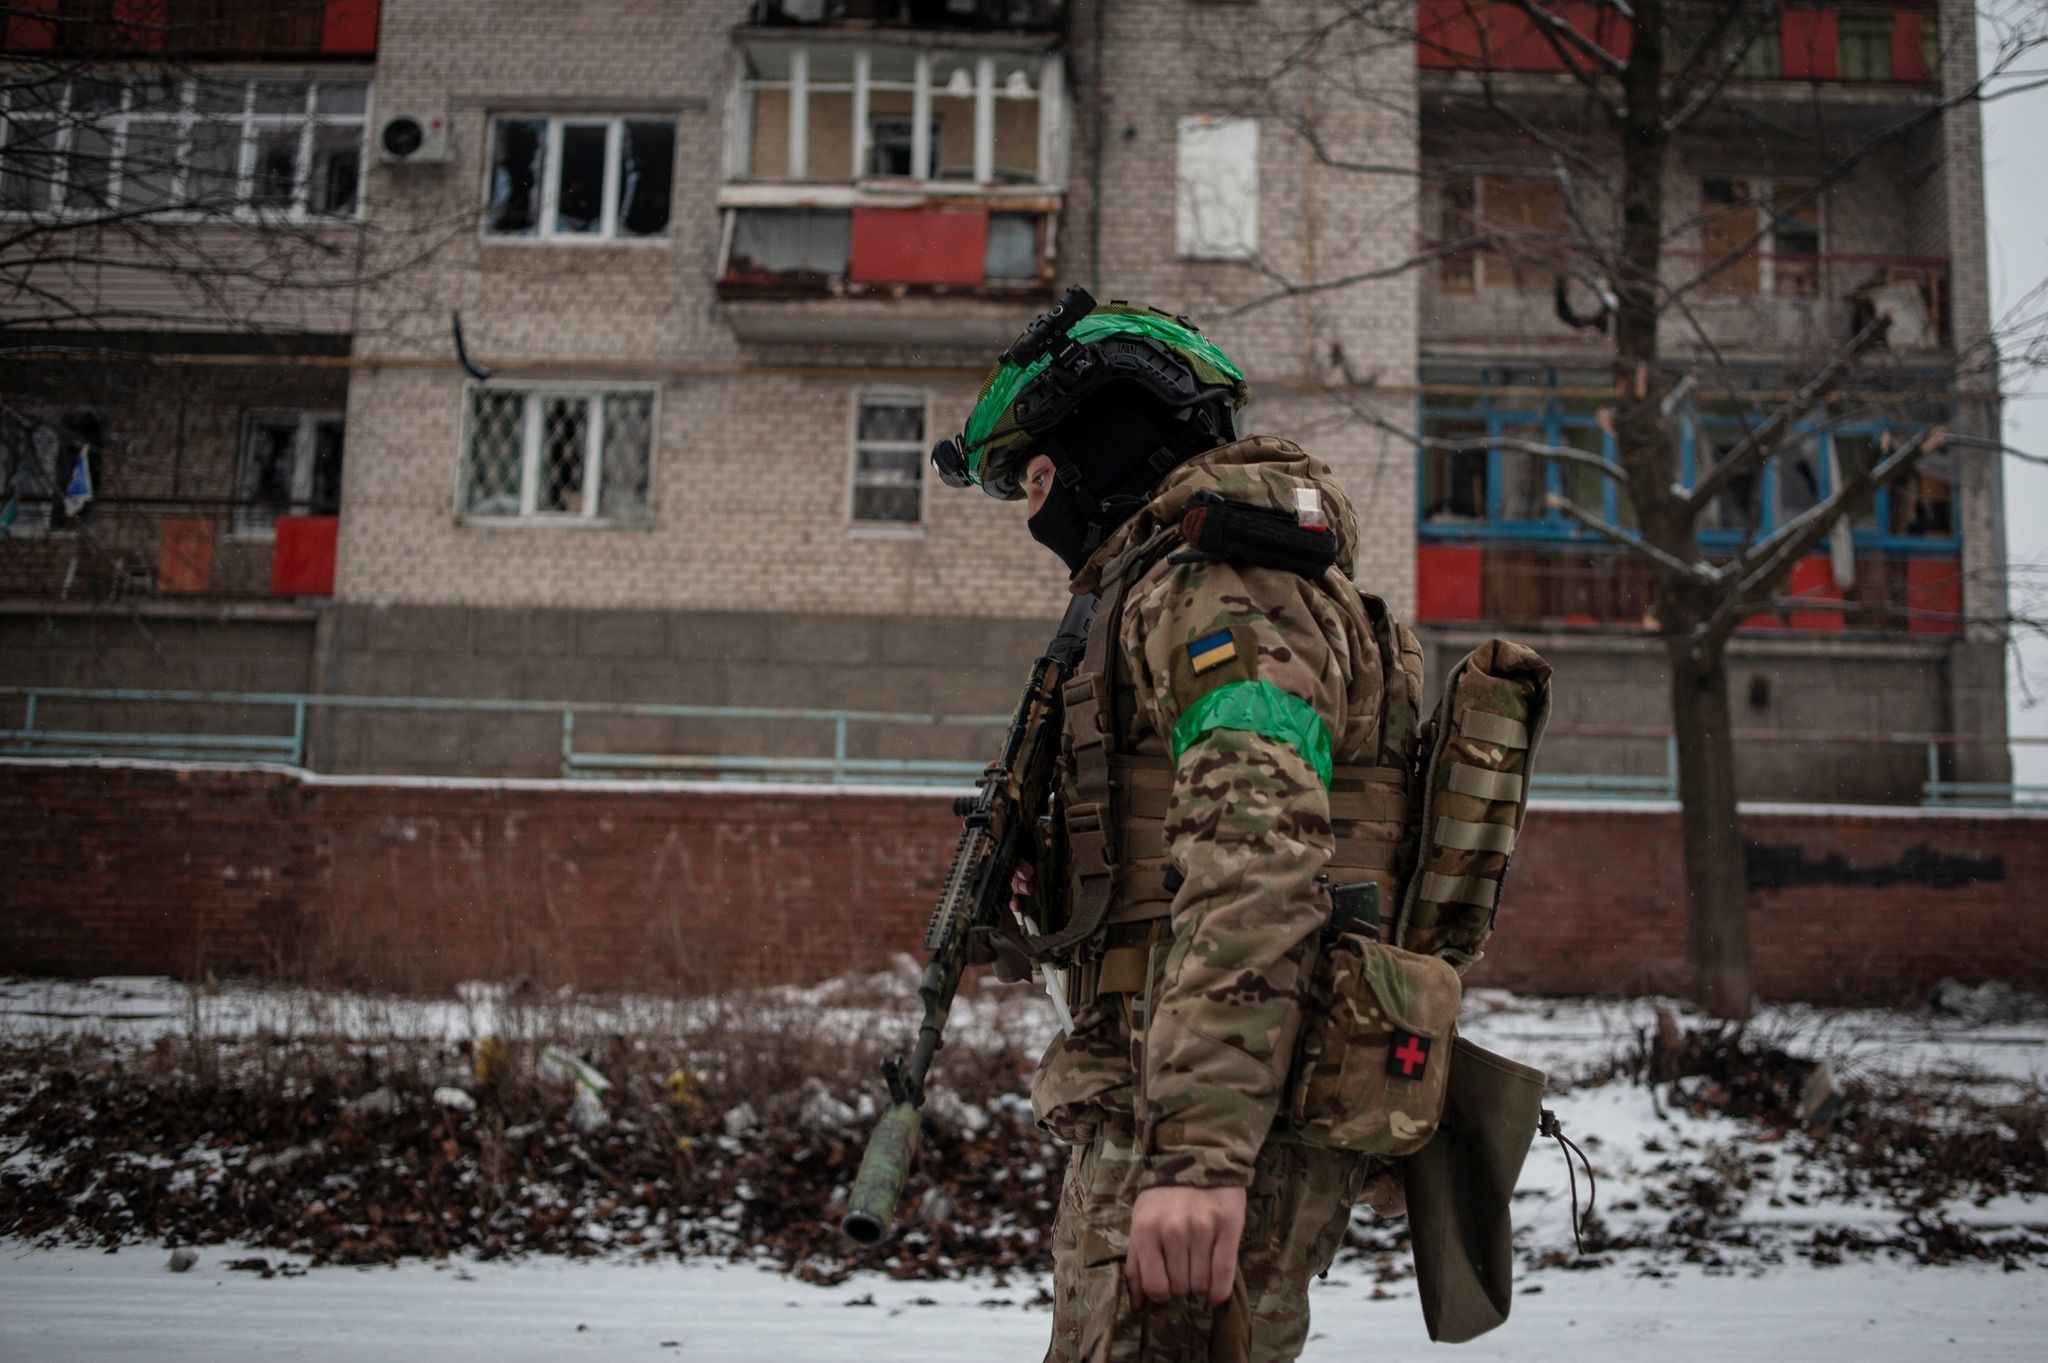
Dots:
pixel 823 111
pixel 604 179
pixel 555 454
pixel 888 461
pixel 1217 179
pixel 1799 479
pixel 1454 480
pixel 149 141
pixel 291 466
pixel 1522 491
pixel 29 491
pixel 1769 235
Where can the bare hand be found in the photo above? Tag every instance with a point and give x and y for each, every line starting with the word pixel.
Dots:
pixel 1021 882
pixel 1184 1243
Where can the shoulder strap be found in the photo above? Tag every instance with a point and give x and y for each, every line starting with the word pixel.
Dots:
pixel 1090 698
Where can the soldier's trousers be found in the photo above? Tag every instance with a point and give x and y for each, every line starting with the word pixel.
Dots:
pixel 1295 1214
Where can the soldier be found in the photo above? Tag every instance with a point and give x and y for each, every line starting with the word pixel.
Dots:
pixel 1222 687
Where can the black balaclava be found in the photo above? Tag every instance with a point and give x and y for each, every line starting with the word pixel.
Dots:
pixel 1122 443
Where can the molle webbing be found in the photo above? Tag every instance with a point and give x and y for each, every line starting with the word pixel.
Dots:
pixel 1368 808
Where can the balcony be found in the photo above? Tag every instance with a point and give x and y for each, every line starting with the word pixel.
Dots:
pixel 215 30
pixel 904 191
pixel 1868 45
pixel 146 549
pixel 916 14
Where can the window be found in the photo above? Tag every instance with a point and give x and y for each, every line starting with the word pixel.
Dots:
pixel 1527 216
pixel 580 179
pixel 1769 237
pixel 1865 44
pixel 1217 175
pixel 92 145
pixel 1454 480
pixel 888 461
pixel 557 454
pixel 844 112
pixel 38 461
pixel 291 466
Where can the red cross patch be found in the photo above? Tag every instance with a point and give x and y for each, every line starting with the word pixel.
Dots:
pixel 1409 1056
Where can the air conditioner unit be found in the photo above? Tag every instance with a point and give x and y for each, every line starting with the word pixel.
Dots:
pixel 413 139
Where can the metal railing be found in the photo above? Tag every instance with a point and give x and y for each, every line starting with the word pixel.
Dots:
pixel 835 763
pixel 287 743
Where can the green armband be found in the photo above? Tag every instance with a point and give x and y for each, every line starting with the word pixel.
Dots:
pixel 1261 708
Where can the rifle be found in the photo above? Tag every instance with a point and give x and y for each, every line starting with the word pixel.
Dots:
pixel 1001 831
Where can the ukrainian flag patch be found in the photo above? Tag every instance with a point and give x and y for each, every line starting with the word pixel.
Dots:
pixel 1211 652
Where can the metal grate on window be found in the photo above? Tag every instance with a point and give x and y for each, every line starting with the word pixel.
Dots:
pixel 564 452
pixel 496 441
pixel 628 450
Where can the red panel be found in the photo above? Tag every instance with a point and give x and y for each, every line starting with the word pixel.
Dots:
pixel 1909 61
pixel 919 246
pixel 1808 45
pixel 349 28
pixel 1814 579
pixel 142 21
pixel 1447 578
pixel 1936 585
pixel 1517 45
pixel 1447 34
pixel 302 560
pixel 184 556
pixel 28 34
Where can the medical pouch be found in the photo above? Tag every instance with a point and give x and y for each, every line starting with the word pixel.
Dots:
pixel 1479 752
pixel 1371 1065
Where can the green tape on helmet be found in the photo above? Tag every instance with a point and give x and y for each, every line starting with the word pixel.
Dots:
pixel 992 428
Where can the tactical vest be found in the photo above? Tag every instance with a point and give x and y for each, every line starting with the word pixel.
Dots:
pixel 1114 803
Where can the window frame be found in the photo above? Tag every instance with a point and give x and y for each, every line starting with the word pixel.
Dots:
pixel 43 521
pixel 1047 92
pixel 1481 280
pixel 534 395
pixel 862 529
pixel 308 420
pixel 1497 415
pixel 1764 198
pixel 188 119
pixel 546 227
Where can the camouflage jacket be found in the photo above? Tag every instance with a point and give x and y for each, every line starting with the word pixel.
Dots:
pixel 1247 823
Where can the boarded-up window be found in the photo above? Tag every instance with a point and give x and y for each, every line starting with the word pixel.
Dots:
pixel 1458 271
pixel 1795 240
pixel 1526 218
pixel 1728 233
pixel 1217 173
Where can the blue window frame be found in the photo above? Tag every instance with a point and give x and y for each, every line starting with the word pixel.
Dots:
pixel 1482 492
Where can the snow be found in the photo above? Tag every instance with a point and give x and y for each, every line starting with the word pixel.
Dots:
pixel 63 1305
pixel 1751 1294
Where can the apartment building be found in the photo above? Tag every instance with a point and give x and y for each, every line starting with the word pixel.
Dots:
pixel 724 270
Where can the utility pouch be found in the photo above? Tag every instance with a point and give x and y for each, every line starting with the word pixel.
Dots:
pixel 1262 536
pixel 1461 1190
pixel 1371 1065
pixel 1479 753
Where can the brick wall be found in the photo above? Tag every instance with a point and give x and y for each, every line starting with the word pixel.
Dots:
pixel 417 885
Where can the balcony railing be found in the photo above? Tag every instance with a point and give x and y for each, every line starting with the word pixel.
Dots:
pixel 129 549
pixel 1779 300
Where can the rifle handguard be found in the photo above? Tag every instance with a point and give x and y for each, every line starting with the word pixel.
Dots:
pixel 891 1147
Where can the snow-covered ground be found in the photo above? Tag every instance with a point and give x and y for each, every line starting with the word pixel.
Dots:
pixel 79 1305
pixel 1754 1289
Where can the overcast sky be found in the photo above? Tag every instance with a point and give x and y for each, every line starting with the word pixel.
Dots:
pixel 2016 203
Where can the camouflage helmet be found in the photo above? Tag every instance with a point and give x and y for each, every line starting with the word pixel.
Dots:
pixel 1063 357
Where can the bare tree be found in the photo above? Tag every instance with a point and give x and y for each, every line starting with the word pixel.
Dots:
pixel 1599 136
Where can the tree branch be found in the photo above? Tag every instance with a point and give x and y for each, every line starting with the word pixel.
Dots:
pixel 1709 89
pixel 1696 572
pixel 1750 573
pixel 1560 35
pixel 1755 447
